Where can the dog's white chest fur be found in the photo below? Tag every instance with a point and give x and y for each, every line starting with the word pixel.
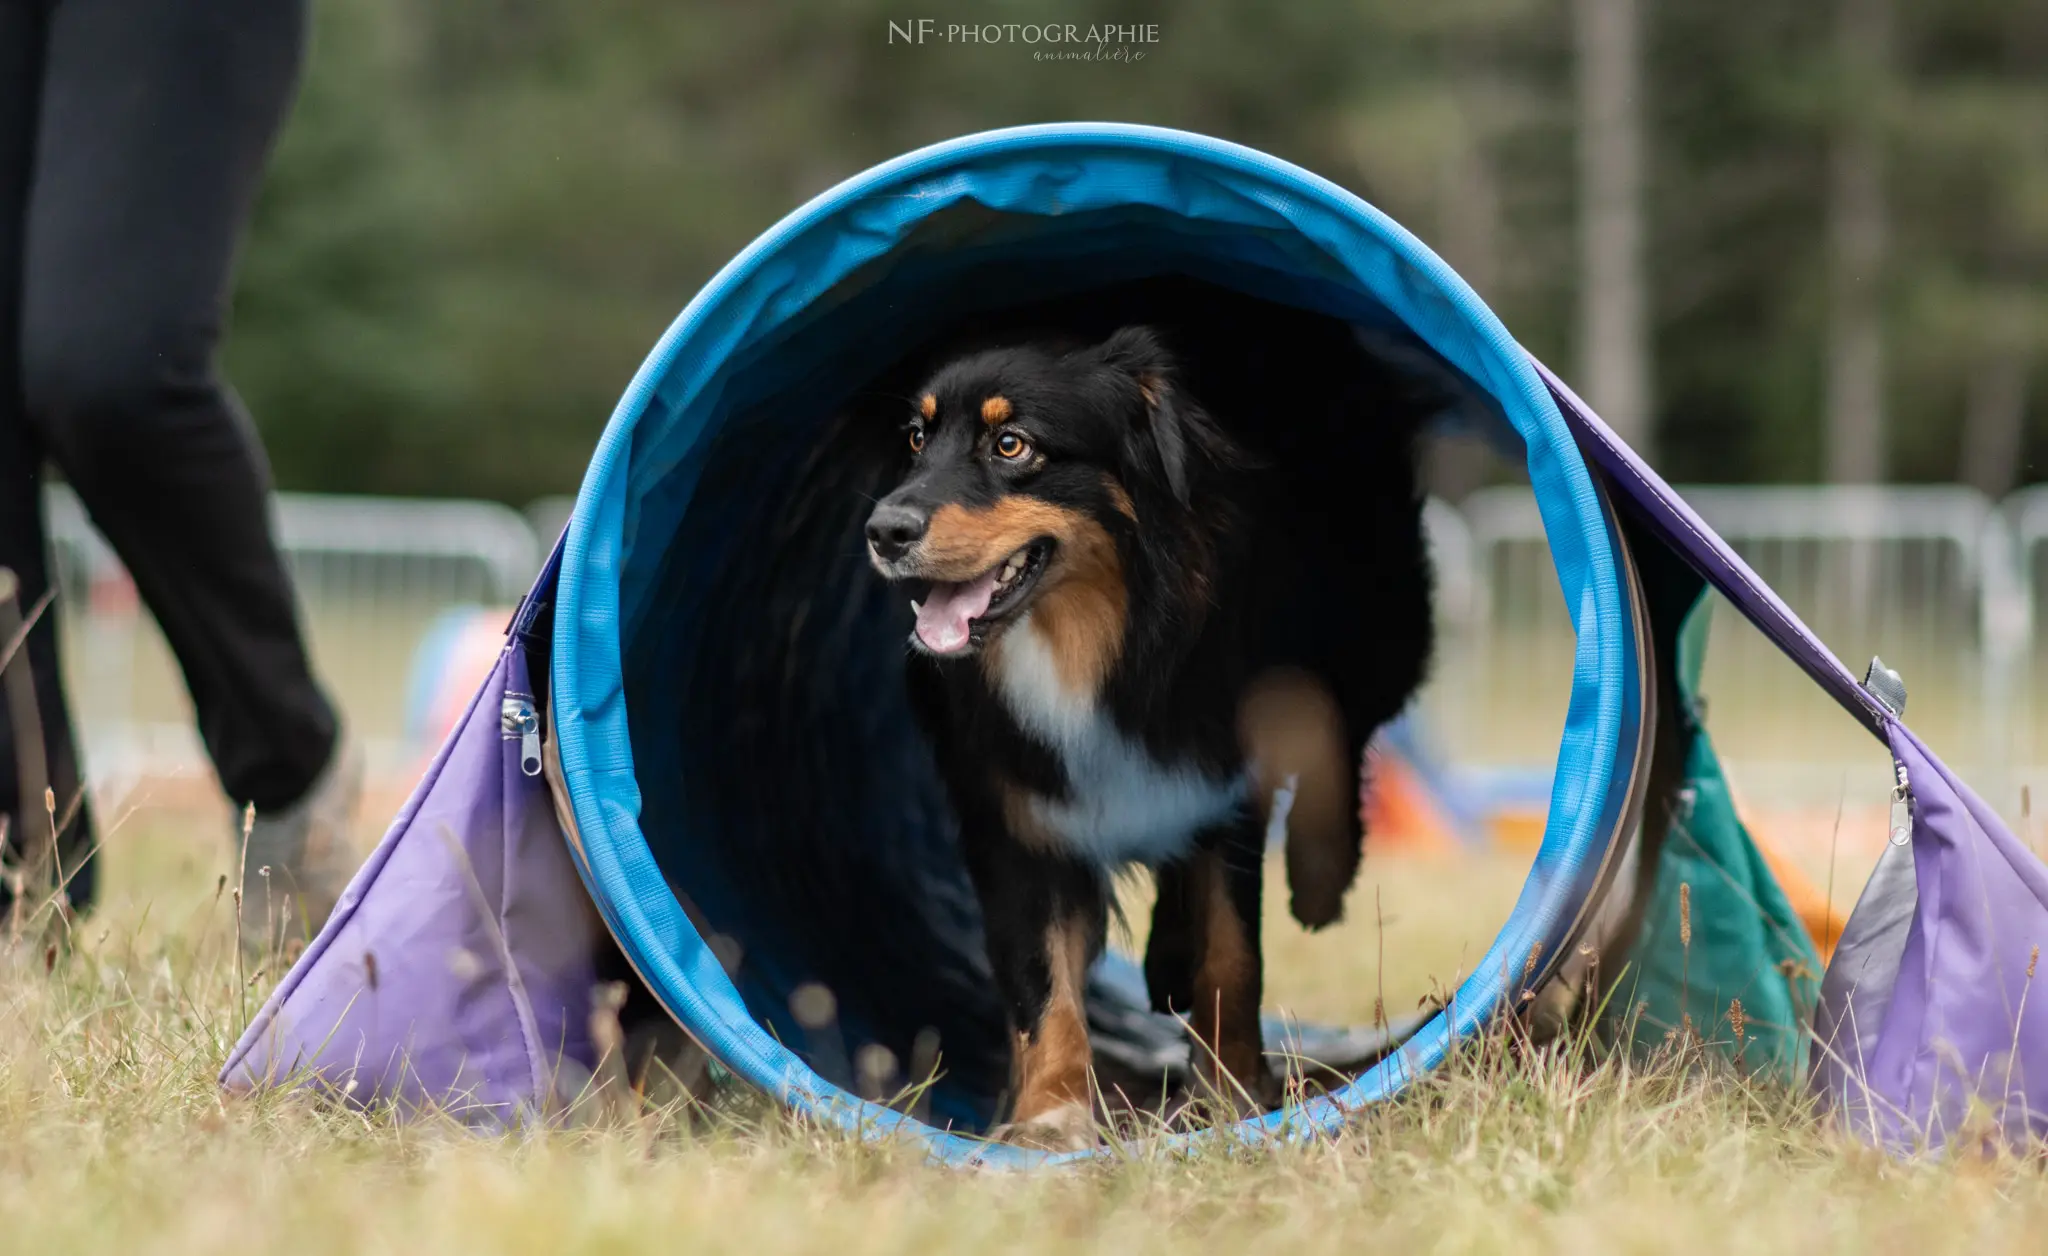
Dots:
pixel 1122 805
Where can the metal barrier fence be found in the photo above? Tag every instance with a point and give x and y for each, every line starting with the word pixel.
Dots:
pixel 2026 517
pixel 371 573
pixel 1921 576
pixel 1939 581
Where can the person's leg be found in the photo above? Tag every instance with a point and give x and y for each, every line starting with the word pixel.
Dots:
pixel 23 546
pixel 157 118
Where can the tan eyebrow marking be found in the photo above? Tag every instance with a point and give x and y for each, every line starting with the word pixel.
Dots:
pixel 929 406
pixel 995 409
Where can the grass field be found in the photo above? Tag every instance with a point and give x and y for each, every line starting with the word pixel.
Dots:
pixel 114 1138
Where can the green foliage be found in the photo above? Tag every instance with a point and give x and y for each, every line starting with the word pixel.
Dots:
pixel 484 212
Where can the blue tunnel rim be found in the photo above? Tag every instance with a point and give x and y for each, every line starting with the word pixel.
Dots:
pixel 588 701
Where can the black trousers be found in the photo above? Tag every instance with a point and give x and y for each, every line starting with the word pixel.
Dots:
pixel 133 137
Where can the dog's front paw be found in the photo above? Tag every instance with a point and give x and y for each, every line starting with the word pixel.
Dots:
pixel 1069 1127
pixel 1221 1099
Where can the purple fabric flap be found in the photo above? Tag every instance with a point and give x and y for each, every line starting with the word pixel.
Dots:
pixel 1964 1022
pixel 456 971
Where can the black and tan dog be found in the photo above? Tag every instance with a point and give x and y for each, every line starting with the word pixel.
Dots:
pixel 1155 575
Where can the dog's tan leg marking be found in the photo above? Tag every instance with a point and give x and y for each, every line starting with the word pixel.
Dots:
pixel 1230 1049
pixel 1054 1109
pixel 1288 724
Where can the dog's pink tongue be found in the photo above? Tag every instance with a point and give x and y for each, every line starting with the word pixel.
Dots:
pixel 948 611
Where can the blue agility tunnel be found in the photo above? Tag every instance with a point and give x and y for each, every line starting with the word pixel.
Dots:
pixel 665 603
pixel 698 725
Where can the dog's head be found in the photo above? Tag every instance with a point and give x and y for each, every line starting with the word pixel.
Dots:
pixel 1027 464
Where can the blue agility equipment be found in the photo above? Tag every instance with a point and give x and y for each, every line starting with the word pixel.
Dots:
pixel 756 361
pixel 703 695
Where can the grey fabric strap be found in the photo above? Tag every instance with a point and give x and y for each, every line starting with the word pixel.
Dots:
pixel 1857 990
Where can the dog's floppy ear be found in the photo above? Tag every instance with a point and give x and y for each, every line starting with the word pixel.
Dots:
pixel 1172 432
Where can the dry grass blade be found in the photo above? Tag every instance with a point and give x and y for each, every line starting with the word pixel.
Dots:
pixel 113 1137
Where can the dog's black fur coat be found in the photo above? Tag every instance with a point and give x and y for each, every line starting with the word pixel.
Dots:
pixel 1253 468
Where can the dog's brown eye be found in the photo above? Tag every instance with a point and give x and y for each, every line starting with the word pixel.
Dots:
pixel 916 440
pixel 1012 446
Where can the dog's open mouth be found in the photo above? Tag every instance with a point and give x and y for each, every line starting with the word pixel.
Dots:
pixel 952 618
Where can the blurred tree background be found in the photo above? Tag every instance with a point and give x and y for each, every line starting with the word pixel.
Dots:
pixel 1781 240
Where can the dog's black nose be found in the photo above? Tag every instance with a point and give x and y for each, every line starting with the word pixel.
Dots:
pixel 892 529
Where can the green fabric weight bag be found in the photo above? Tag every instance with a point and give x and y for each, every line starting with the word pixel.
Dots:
pixel 1717 929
